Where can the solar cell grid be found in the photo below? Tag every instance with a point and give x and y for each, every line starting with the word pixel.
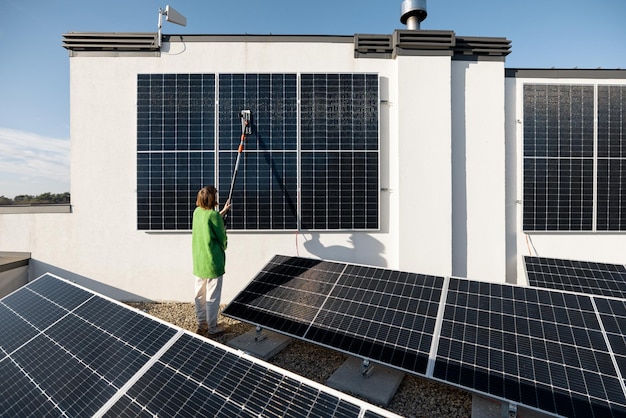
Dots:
pixel 175 147
pixel 543 342
pixel 379 314
pixel 105 354
pixel 558 151
pixel 611 158
pixel 613 314
pixel 364 315
pixel 314 143
pixel 229 386
pixel 143 333
pixel 286 296
pixel 58 373
pixel 17 331
pixel 19 394
pixel 339 142
pixel 577 276
pixel 96 357
pixel 58 292
pixel 267 181
pixel 555 351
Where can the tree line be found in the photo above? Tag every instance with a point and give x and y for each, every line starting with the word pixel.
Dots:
pixel 44 198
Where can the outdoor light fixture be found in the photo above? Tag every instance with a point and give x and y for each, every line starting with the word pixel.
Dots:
pixel 171 15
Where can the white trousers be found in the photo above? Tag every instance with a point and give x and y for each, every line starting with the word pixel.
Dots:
pixel 208 295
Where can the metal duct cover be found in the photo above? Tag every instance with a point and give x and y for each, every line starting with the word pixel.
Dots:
pixel 415 9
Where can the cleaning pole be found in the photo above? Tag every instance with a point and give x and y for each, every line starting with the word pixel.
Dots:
pixel 246 129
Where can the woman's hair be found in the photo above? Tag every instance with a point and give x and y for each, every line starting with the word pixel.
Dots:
pixel 207 197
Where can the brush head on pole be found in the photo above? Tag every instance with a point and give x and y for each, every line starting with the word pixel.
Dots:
pixel 246 122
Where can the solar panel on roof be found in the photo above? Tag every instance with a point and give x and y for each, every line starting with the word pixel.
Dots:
pixel 379 314
pixel 542 349
pixel 66 351
pixel 613 314
pixel 554 351
pixel 577 276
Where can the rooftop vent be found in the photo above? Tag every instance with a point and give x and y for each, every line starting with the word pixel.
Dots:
pixel 113 41
pixel 413 12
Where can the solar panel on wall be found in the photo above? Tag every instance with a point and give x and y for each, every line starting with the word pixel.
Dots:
pixel 611 158
pixel 574 157
pixel 558 157
pixel 175 147
pixel 265 196
pixel 549 350
pixel 577 276
pixel 65 351
pixel 339 128
pixel 310 163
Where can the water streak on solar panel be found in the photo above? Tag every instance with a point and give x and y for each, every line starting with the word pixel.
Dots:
pixel 66 351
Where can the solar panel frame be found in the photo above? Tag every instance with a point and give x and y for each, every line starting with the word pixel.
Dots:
pixel 98 357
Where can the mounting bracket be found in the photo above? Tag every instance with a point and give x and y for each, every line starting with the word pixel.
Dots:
pixel 366 367
pixel 509 410
pixel 260 336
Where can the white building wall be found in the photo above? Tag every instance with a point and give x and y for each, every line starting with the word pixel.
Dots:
pixel 478 216
pixel 513 175
pixel 424 165
pixel 98 244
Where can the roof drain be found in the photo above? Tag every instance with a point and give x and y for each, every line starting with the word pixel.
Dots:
pixel 413 12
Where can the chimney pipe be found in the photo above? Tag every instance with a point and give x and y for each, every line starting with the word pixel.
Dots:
pixel 413 13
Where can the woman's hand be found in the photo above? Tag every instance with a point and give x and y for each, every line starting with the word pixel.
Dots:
pixel 226 208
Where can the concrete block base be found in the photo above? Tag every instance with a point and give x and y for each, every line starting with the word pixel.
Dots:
pixel 378 386
pixel 483 407
pixel 263 345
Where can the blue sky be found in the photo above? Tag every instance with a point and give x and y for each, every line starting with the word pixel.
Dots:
pixel 34 68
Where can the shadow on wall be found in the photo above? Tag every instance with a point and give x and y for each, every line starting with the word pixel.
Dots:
pixel 39 268
pixel 363 249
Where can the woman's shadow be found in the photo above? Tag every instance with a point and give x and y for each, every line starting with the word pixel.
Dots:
pixel 361 249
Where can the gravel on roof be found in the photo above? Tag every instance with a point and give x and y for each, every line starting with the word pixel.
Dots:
pixel 416 397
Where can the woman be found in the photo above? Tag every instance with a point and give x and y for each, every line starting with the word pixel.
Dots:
pixel 208 244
